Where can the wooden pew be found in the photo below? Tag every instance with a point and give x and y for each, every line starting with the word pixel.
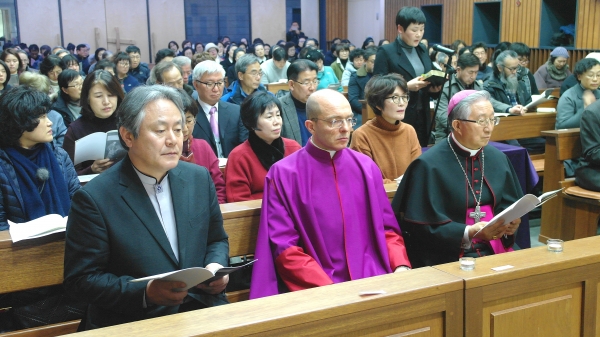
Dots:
pixel 544 294
pixel 421 302
pixel 367 111
pixel 528 126
pixel 580 207
pixel 40 262
pixel 275 87
pixel 576 212
pixel 560 146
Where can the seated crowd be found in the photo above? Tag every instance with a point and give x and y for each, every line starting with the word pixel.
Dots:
pixel 319 170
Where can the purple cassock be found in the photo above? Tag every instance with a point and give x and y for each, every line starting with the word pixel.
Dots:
pixel 324 220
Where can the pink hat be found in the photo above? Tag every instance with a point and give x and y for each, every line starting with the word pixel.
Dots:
pixel 459 96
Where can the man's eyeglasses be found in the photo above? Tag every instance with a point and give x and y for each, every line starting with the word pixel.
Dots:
pixel 397 99
pixel 256 73
pixel 211 85
pixel 483 122
pixel 307 83
pixel 512 69
pixel 337 123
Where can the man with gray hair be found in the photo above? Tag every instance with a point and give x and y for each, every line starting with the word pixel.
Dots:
pixel 249 74
pixel 218 122
pixel 148 214
pixel 450 192
pixel 185 63
pixel 504 85
pixel 168 73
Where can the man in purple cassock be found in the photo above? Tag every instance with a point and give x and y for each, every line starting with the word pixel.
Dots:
pixel 450 192
pixel 325 215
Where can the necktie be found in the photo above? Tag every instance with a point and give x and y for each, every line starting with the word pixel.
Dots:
pixel 213 122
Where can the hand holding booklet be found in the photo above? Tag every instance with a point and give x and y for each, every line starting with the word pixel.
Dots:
pixel 521 207
pixel 99 145
pixel 539 99
pixel 193 276
pixel 46 225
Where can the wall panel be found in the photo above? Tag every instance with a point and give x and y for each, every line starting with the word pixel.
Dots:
pixel 268 20
pixel 521 23
pixel 588 25
pixel 518 23
pixel 167 22
pixel 45 15
pixel 118 16
pixel 310 18
pixel 81 20
pixel 337 20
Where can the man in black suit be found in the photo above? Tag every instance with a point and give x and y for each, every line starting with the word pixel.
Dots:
pixel 408 57
pixel 219 124
pixel 149 214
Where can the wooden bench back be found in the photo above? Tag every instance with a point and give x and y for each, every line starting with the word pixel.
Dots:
pixel 40 262
pixel 560 146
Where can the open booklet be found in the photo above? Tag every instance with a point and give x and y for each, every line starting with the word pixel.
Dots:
pixel 193 276
pixel 99 145
pixel 539 99
pixel 521 207
pixel 46 225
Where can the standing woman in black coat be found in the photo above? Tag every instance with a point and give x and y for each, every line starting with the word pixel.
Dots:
pixel 409 58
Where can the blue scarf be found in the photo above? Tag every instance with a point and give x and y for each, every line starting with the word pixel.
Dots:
pixel 39 198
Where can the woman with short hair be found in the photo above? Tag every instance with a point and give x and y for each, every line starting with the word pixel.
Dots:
pixel 248 163
pixel 101 94
pixel 41 83
pixel 391 144
pixel 50 67
pixel 37 178
pixel 67 105
pixel 12 60
pixel 4 77
pixel 553 73
pixel 325 75
pixel 573 101
pixel 122 62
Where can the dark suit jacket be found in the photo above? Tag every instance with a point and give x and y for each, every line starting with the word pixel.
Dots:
pixel 291 127
pixel 231 130
pixel 356 89
pixel 392 59
pixel 113 236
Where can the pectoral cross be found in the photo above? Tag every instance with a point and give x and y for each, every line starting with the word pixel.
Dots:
pixel 477 215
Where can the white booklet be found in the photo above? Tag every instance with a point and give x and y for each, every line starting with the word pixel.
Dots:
pixel 99 145
pixel 539 99
pixel 193 276
pixel 521 207
pixel 46 225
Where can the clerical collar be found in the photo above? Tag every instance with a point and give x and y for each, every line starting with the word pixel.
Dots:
pixel 148 180
pixel 471 152
pixel 331 153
